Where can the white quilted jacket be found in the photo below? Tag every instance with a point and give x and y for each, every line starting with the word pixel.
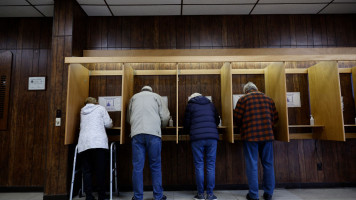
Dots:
pixel 93 121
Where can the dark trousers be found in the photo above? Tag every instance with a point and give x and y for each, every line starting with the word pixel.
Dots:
pixel 94 161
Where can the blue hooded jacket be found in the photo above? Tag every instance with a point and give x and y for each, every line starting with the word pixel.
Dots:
pixel 201 119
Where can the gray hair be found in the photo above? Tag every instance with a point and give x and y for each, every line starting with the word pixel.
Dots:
pixel 91 100
pixel 146 88
pixel 194 95
pixel 250 86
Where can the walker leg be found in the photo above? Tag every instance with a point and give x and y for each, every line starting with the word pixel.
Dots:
pixel 115 171
pixel 112 145
pixel 73 173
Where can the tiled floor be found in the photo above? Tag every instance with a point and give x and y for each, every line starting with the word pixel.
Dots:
pixel 279 194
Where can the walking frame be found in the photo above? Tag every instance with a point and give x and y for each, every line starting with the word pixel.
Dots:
pixel 113 170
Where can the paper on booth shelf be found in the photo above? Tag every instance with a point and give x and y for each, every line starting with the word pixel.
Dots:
pixel 235 99
pixel 165 100
pixel 111 103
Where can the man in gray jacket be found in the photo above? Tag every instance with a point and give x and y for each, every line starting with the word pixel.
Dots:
pixel 147 114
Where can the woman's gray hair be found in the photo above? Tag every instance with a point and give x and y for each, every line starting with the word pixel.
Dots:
pixel 91 100
pixel 250 86
pixel 194 95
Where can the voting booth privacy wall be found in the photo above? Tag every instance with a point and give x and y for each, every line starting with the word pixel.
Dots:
pixel 319 84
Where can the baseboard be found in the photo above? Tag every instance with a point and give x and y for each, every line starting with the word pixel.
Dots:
pixel 128 188
pixel 21 189
pixel 314 185
pixel 55 197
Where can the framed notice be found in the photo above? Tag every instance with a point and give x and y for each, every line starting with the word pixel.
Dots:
pixel 37 83
pixel 111 103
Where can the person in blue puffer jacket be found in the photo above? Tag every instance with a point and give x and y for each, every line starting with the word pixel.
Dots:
pixel 200 121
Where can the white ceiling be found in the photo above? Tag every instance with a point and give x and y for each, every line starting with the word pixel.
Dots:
pixel 44 8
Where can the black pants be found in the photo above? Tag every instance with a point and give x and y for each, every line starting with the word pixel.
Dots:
pixel 94 161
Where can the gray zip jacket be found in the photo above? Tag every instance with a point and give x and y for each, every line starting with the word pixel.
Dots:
pixel 93 121
pixel 147 114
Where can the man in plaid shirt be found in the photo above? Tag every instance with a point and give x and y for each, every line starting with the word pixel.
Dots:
pixel 256 115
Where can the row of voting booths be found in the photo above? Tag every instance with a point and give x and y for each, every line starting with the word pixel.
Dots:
pixel 302 82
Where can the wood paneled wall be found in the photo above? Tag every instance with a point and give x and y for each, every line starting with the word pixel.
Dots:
pixel 32 153
pixel 198 32
pixel 68 22
pixel 24 143
pixel 295 162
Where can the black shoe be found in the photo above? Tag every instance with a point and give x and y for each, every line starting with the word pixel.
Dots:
pixel 104 197
pixel 249 198
pixel 199 197
pixel 90 198
pixel 163 197
pixel 267 196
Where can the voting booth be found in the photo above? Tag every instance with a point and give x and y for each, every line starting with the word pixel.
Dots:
pixel 300 84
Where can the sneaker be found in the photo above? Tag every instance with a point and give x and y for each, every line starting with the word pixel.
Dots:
pixel 267 196
pixel 199 197
pixel 250 198
pixel 211 197
pixel 163 197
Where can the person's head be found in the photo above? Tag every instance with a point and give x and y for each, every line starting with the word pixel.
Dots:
pixel 194 95
pixel 91 100
pixel 249 87
pixel 146 88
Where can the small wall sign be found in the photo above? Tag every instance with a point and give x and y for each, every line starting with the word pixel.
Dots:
pixel 37 83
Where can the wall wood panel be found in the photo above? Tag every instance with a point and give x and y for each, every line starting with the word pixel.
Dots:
pixel 23 145
pixel 68 17
pixel 193 32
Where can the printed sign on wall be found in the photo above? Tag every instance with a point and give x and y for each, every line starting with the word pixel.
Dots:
pixel 111 103
pixel 235 99
pixel 293 99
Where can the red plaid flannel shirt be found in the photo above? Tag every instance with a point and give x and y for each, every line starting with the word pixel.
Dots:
pixel 255 115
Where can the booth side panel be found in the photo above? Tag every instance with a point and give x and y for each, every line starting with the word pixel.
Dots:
pixel 226 101
pixel 127 91
pixel 275 83
pixel 77 92
pixel 325 101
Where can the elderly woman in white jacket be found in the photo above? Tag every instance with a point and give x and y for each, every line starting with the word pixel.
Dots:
pixel 93 145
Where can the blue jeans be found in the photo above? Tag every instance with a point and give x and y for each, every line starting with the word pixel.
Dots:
pixel 199 149
pixel 251 152
pixel 151 144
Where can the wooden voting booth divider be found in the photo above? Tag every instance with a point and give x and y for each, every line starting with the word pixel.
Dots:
pixel 323 86
pixel 324 90
pixel 78 91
